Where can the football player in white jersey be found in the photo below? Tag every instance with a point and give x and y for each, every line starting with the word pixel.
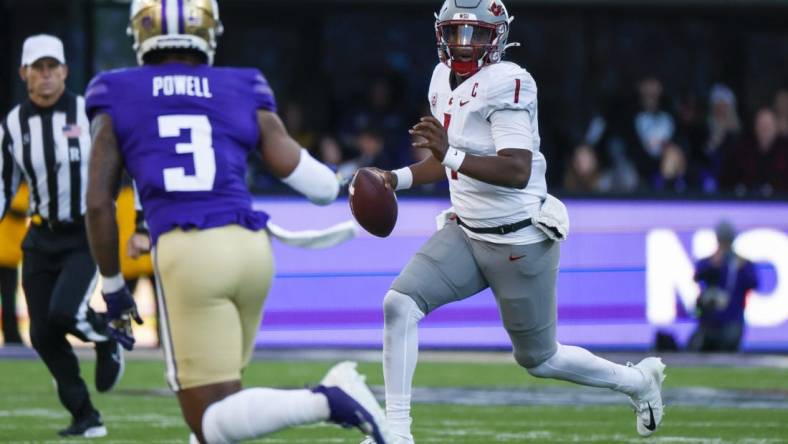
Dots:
pixel 484 135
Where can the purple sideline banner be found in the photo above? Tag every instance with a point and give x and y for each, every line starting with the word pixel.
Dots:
pixel 626 272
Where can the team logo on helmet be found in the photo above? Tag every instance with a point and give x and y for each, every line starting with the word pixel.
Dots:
pixel 147 23
pixel 496 9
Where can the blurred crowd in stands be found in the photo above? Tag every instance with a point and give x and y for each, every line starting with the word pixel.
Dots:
pixel 645 143
pixel 650 99
pixel 700 145
pixel 372 133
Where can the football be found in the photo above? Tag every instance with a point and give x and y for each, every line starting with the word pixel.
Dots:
pixel 373 206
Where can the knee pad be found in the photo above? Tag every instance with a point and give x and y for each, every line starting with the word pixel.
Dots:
pixel 536 362
pixel 541 370
pixel 399 307
pixel 529 361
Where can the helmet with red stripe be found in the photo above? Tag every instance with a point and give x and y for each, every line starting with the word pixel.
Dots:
pixel 472 34
pixel 174 24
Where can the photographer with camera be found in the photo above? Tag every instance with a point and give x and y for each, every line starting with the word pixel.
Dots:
pixel 724 278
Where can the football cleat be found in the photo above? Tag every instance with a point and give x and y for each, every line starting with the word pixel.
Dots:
pixel 648 405
pixel 352 404
pixel 397 440
pixel 109 365
pixel 87 427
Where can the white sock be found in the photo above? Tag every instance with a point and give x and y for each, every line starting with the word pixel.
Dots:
pixel 400 353
pixel 256 412
pixel 580 366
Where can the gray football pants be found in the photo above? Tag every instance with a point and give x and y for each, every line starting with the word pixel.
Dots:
pixel 451 267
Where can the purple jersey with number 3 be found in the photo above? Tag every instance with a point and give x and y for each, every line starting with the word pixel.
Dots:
pixel 184 133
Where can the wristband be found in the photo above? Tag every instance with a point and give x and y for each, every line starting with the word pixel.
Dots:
pixel 112 284
pixel 404 178
pixel 453 159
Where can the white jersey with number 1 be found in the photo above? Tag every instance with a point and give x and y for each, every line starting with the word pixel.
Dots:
pixel 492 110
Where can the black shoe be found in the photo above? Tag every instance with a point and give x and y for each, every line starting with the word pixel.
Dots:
pixel 109 364
pixel 87 427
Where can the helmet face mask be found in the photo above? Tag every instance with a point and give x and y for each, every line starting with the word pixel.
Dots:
pixel 471 34
pixel 467 46
pixel 466 34
pixel 156 25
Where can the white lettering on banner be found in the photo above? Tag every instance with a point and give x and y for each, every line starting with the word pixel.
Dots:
pixel 669 272
pixel 704 243
pixel 766 245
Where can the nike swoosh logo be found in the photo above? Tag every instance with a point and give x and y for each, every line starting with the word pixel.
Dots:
pixel 652 425
pixel 464 103
pixel 515 258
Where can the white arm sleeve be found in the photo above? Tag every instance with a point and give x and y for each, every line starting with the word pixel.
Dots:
pixel 512 129
pixel 314 180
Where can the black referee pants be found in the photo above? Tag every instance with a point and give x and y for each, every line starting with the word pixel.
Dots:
pixel 9 280
pixel 58 276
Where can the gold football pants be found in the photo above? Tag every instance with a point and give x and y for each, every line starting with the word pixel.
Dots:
pixel 212 286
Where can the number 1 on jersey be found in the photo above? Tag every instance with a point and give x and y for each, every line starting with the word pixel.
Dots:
pixel 446 122
pixel 201 148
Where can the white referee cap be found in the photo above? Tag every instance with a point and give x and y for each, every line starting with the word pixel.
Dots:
pixel 39 46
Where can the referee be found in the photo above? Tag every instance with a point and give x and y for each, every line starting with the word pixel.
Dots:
pixel 46 140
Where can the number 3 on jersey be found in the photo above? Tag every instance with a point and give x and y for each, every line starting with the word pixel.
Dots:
pixel 201 148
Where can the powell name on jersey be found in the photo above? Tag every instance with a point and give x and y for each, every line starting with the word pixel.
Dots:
pixel 466 112
pixel 184 133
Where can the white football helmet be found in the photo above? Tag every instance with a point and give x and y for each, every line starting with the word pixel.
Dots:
pixel 174 24
pixel 479 28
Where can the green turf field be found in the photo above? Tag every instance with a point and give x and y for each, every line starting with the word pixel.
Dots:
pixel 141 410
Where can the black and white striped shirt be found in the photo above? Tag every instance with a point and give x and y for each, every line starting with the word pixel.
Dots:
pixel 50 148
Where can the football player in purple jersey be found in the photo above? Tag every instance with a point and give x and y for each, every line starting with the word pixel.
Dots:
pixel 182 129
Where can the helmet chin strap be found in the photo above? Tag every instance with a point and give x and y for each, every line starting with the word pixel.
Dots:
pixel 465 69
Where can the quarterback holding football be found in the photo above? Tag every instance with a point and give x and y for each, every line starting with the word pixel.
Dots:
pixel 503 231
